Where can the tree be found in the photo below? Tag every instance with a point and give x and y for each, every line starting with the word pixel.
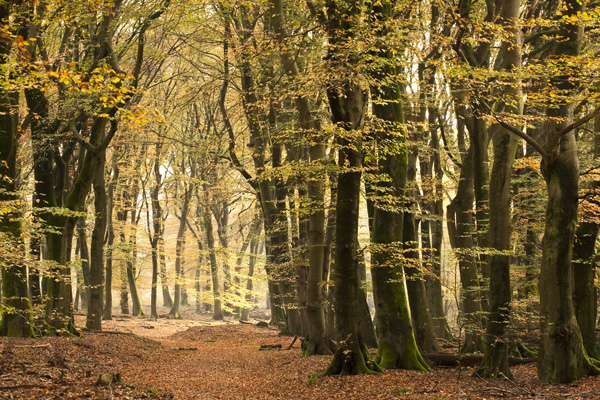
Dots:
pixel 562 357
pixel 16 309
pixel 495 363
pixel 315 314
pixel 348 104
pixel 397 344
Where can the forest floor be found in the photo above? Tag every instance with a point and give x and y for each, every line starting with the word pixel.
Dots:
pixel 195 358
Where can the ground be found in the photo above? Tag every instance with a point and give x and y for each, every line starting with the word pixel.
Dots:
pixel 194 358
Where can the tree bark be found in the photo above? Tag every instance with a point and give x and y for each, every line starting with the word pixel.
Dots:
pixel 495 362
pixel 460 230
pixel 94 314
pixel 561 357
pixel 585 294
pixel 212 256
pixel 17 319
pixel 179 248
pixel 348 104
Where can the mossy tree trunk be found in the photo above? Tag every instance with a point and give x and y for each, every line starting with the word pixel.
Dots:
pixel 585 294
pixel 460 231
pixel 495 361
pixel 348 103
pixel 584 291
pixel 415 285
pixel 17 317
pixel 562 356
pixel 415 281
pixel 96 288
pixel 317 343
pixel 397 344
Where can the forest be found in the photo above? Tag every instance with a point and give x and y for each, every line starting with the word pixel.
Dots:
pixel 398 183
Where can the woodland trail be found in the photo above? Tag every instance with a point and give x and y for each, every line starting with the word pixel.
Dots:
pixel 137 358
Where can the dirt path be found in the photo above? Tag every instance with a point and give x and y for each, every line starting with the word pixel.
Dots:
pixel 136 358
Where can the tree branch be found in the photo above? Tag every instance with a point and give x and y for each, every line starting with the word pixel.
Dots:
pixel 516 131
pixel 578 123
pixel 77 136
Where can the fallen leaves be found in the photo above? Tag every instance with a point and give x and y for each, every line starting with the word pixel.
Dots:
pixel 197 359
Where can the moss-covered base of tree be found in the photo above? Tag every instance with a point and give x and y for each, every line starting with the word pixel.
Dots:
pixel 175 315
pixel 352 359
pixel 139 313
pixel 387 357
pixel 316 347
pixel 569 370
pixel 15 325
pixel 495 362
pixel 474 343
pixel 520 350
pixel 67 329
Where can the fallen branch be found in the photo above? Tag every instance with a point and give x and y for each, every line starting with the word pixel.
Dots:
pixel 33 346
pixel 452 360
pixel 293 341
pixel 270 347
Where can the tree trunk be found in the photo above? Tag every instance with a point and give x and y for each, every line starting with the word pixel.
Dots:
pixel 561 356
pixel 212 256
pixel 250 283
pixel 397 344
pixel 460 230
pixel 94 314
pixel 179 248
pixel 434 284
pixel 268 194
pixel 252 237
pixel 17 317
pixel 585 295
pixel 495 362
pixel 415 282
pixel 348 103
pixel 157 226
pixel 84 257
pixel 107 311
pixel 314 301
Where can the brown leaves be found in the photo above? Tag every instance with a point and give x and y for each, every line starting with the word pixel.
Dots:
pixel 225 364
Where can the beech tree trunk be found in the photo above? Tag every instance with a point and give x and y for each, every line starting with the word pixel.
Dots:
pixel 268 194
pixel 179 248
pixel 348 104
pixel 314 301
pixel 561 356
pixel 94 314
pixel 495 362
pixel 212 256
pixel 17 318
pixel 585 295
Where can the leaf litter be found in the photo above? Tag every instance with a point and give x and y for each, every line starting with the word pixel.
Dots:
pixel 196 358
